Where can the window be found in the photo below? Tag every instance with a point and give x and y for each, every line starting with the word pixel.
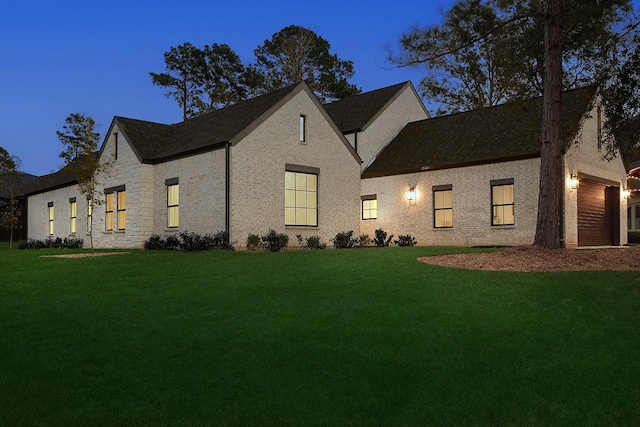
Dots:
pixel 115 219
pixel 122 209
pixel 173 202
pixel 633 217
pixel 108 220
pixel 599 124
pixel 50 208
pixel 72 215
pixel 303 128
pixel 301 196
pixel 369 207
pixel 89 215
pixel 502 202
pixel 443 206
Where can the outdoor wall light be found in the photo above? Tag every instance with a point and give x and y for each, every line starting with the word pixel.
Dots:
pixel 626 193
pixel 573 182
pixel 411 194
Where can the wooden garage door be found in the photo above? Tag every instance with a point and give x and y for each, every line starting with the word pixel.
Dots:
pixel 598 214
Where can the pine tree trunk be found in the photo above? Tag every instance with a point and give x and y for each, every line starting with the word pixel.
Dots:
pixel 551 162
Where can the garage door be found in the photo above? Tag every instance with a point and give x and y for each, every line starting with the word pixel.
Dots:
pixel 598 214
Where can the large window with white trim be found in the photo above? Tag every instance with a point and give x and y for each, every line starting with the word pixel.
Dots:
pixel 502 202
pixel 301 196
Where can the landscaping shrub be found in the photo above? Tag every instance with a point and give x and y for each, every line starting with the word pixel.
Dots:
pixel 253 242
pixel 344 240
pixel 381 238
pixel 634 236
pixel 274 241
pixel 57 243
pixel 313 242
pixel 189 241
pixel 363 240
pixel 405 240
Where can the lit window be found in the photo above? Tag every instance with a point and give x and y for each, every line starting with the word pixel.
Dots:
pixel 72 215
pixel 89 215
pixel 173 203
pixel 109 212
pixel 303 128
pixel 122 209
pixel 502 202
pixel 369 207
pixel 301 198
pixel 50 206
pixel 443 206
pixel 633 217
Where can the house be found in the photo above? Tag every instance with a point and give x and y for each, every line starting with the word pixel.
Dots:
pixel 473 178
pixel 377 160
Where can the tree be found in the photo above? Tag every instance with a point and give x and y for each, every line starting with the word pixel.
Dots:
pixel 81 158
pixel 512 33
pixel 490 51
pixel 10 179
pixel 201 80
pixel 296 54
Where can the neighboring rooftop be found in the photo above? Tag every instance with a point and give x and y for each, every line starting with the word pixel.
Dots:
pixel 24 179
pixel 506 132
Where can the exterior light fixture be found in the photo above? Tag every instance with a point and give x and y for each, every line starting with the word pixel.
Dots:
pixel 573 182
pixel 411 195
pixel 626 193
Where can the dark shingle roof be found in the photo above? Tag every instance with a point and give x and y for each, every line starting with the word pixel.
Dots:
pixel 62 178
pixel 505 132
pixel 155 142
pixel 353 113
pixel 23 179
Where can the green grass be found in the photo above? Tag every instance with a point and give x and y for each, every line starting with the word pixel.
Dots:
pixel 336 337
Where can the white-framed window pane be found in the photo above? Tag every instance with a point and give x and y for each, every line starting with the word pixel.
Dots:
pixel 301 199
pixel 289 215
pixel 370 209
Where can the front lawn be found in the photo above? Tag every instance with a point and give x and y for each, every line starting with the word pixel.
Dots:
pixel 334 337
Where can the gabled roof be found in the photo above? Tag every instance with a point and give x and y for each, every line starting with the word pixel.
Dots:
pixel 155 142
pixel 506 132
pixel 356 112
pixel 62 178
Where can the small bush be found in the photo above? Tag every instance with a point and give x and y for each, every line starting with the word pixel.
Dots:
pixel 344 240
pixel 313 242
pixel 405 240
pixel 253 242
pixel 634 236
pixel 381 238
pixel 154 242
pixel 57 243
pixel 364 240
pixel 274 241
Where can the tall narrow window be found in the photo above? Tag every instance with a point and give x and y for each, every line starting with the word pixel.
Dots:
pixel 89 215
pixel 599 124
pixel 502 202
pixel 173 203
pixel 50 208
pixel 72 215
pixel 108 220
pixel 303 128
pixel 369 207
pixel 301 197
pixel 122 209
pixel 115 147
pixel 443 206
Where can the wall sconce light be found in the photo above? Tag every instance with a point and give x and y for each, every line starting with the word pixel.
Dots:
pixel 626 193
pixel 411 195
pixel 573 182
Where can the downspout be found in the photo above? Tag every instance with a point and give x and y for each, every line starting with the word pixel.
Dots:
pixel 227 179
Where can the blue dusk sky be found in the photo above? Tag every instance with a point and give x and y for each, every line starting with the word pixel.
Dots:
pixel 94 57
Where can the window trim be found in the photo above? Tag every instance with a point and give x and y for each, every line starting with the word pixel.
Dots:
pixel 441 188
pixel 171 182
pixel 502 183
pixel 366 198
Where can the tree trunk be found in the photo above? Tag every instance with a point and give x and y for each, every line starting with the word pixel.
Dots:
pixel 551 162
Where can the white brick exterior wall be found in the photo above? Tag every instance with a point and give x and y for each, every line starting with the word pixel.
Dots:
pixel 471 205
pixel 258 171
pixel 38 220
